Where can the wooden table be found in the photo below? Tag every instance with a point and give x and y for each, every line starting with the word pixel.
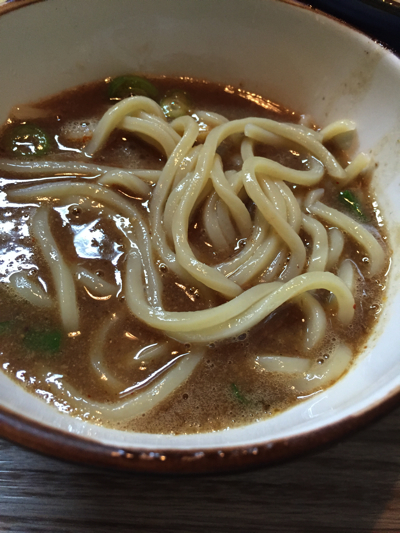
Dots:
pixel 353 486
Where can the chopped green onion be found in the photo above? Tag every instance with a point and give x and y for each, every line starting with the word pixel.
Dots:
pixel 238 395
pixel 5 327
pixel 176 104
pixel 349 200
pixel 26 140
pixel 125 86
pixel 43 341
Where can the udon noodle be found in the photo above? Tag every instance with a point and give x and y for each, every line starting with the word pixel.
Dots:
pixel 236 213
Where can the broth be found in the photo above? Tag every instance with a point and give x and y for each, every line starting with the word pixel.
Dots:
pixel 228 387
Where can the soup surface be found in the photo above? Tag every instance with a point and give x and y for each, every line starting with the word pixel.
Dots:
pixel 102 277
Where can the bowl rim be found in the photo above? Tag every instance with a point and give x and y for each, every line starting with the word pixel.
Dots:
pixel 58 443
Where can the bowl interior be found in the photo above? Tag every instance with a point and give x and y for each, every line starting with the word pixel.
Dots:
pixel 303 60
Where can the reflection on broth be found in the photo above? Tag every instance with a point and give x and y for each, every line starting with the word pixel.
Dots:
pixel 179 257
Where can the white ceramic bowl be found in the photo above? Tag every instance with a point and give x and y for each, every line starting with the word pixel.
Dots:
pixel 297 57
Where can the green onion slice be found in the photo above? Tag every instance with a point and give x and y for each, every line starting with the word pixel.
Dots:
pixel 26 140
pixel 5 327
pixel 47 341
pixel 125 86
pixel 348 199
pixel 238 395
pixel 176 104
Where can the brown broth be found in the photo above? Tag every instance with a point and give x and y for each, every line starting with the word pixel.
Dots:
pixel 207 401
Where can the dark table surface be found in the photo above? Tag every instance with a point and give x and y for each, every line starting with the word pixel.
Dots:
pixel 353 486
pixel 380 19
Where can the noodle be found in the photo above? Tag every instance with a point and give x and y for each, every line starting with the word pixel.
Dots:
pixel 62 276
pixel 29 290
pixel 141 403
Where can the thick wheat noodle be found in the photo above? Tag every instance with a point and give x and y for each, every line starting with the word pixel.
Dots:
pixel 247 302
pixel 142 254
pixel 65 168
pixel 255 240
pixel 163 189
pixel 96 354
pixel 126 181
pixel 337 128
pixel 185 256
pixel 173 203
pixel 215 212
pixel 187 165
pixel 257 134
pixel 178 321
pixel 165 126
pixel 319 376
pixel 151 131
pixel 280 225
pixel 276 266
pixel 116 114
pixel 276 171
pixel 153 282
pixel 360 164
pixel 320 248
pixel 212 226
pixel 200 271
pixel 226 224
pixel 356 231
pixel 218 224
pixel 29 290
pixel 119 204
pixel 94 283
pixel 203 168
pixel 292 205
pixel 140 402
pixel 284 201
pixel 306 374
pixel 273 169
pixel 347 274
pixel 246 148
pixel 274 195
pixel 162 231
pixel 252 316
pixel 283 363
pixel 315 320
pixel 259 261
pixel 311 197
pixel 306 138
pixel 225 191
pixel 61 274
pixel 211 119
pixel 336 245
pixel 223 223
pixel 207 121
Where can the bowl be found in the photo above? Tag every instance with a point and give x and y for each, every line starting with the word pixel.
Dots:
pixel 302 59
